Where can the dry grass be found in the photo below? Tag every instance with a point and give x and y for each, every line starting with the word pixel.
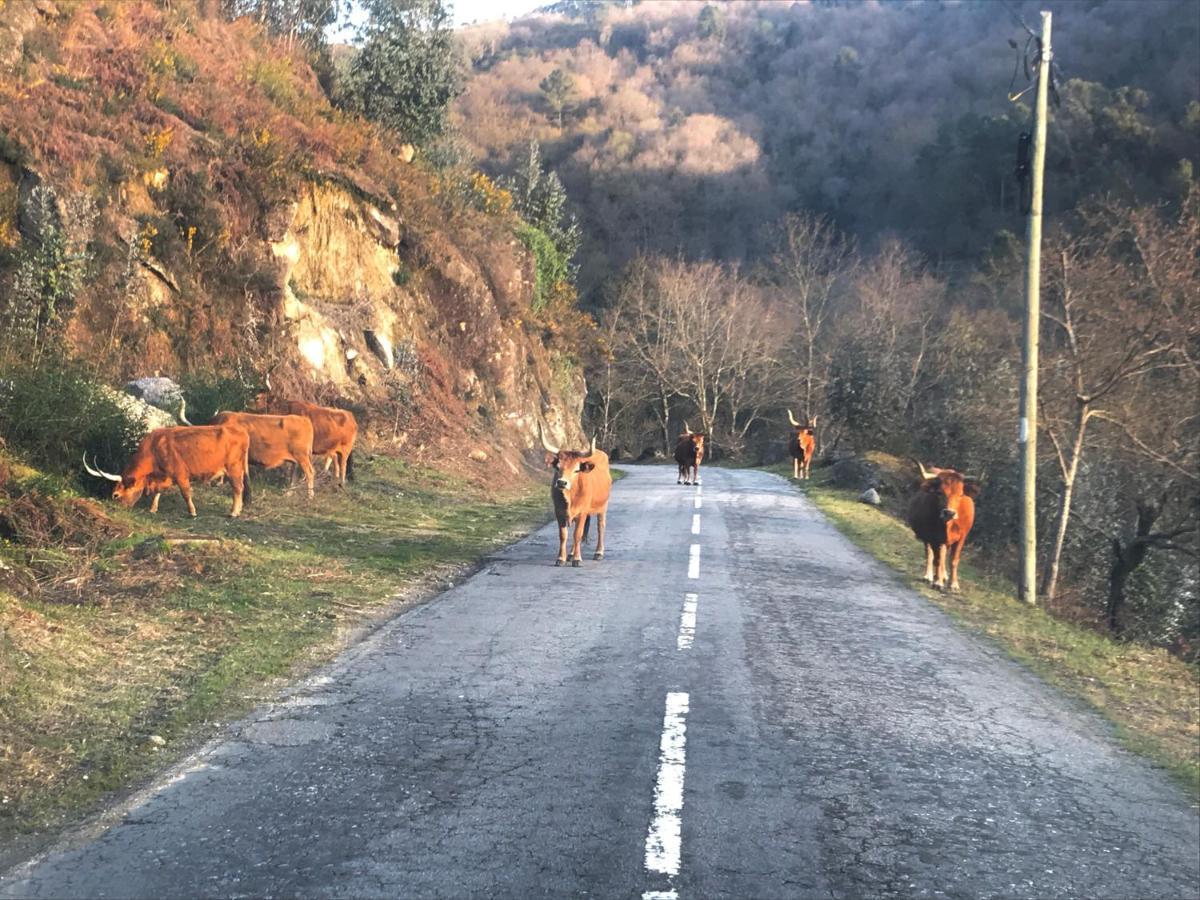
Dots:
pixel 1152 697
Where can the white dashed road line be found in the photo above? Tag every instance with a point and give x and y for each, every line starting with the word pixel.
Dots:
pixel 697 501
pixel 687 622
pixel 664 840
pixel 694 561
pixel 696 523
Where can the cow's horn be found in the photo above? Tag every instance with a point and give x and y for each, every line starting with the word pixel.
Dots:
pixel 550 448
pixel 99 473
pixel 925 473
pixel 593 450
pixel 686 430
pixel 792 419
pixel 183 411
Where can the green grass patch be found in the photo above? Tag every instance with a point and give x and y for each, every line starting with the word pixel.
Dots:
pixel 189 621
pixel 1152 697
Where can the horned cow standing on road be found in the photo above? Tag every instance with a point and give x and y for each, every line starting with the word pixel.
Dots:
pixel 802 445
pixel 580 488
pixel 941 514
pixel 175 457
pixel 334 430
pixel 689 453
pixel 275 440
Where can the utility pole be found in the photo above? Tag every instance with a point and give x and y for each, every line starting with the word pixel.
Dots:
pixel 1027 429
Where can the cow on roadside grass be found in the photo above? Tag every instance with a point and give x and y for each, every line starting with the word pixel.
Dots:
pixel 579 489
pixel 801 445
pixel 334 430
pixel 689 453
pixel 941 514
pixel 275 440
pixel 177 457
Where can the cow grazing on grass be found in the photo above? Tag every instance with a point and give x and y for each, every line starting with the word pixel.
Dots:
pixel 801 445
pixel 334 430
pixel 941 514
pixel 689 453
pixel 275 440
pixel 177 457
pixel 580 488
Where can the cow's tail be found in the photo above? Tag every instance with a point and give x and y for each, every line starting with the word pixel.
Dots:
pixel 246 478
pixel 350 466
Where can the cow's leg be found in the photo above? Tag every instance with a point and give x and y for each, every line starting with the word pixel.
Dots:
pixel 696 473
pixel 929 563
pixel 185 488
pixel 238 480
pixel 306 467
pixel 795 467
pixel 576 561
pixel 679 476
pixel 955 552
pixel 154 502
pixel 563 524
pixel 939 551
pixel 600 523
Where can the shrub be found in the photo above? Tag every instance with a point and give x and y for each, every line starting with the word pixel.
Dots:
pixel 551 270
pixel 55 413
pixel 208 394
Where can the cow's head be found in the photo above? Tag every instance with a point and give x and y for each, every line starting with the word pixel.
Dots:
pixel 949 487
pixel 695 437
pixel 567 464
pixel 127 489
pixel 808 427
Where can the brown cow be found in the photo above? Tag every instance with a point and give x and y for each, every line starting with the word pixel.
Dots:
pixel 334 430
pixel 275 440
pixel 802 445
pixel 175 457
pixel 579 489
pixel 689 453
pixel 941 514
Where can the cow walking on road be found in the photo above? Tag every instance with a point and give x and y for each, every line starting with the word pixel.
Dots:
pixel 177 457
pixel 579 488
pixel 801 445
pixel 689 453
pixel 941 514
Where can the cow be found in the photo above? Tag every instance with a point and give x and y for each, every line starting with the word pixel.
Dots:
pixel 689 453
pixel 275 440
pixel 941 514
pixel 334 430
pixel 801 445
pixel 176 457
pixel 579 489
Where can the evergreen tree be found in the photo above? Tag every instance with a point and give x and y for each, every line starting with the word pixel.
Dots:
pixel 541 200
pixel 406 73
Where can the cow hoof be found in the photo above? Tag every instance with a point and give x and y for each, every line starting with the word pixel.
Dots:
pixel 560 562
pixel 597 556
pixel 575 564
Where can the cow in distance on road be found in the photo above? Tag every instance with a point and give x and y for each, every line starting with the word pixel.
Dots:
pixel 941 514
pixel 579 489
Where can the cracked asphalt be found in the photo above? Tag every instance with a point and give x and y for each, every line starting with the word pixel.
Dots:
pixel 844 739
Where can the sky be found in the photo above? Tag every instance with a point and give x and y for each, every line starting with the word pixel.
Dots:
pixel 465 12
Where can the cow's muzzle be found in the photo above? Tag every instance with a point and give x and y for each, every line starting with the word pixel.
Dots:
pixel 949 515
pixel 562 484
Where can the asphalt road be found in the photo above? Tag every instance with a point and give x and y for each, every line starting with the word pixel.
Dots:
pixel 816 731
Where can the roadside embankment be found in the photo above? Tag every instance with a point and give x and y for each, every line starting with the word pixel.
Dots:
pixel 1151 697
pixel 120 662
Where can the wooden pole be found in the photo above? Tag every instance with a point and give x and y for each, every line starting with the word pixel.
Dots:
pixel 1027 427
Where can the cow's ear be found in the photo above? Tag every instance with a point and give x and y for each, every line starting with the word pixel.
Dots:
pixel 551 459
pixel 972 488
pixel 586 467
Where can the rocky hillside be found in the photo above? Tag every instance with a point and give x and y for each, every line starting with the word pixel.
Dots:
pixel 196 206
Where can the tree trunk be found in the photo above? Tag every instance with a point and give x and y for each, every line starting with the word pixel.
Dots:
pixel 1050 576
pixel 1126 559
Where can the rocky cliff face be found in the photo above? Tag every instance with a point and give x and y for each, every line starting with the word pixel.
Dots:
pixel 236 225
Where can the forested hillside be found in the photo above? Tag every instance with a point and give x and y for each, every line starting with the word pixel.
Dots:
pixel 813 206
pixel 685 126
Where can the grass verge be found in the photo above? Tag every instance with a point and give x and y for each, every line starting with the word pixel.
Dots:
pixel 189 622
pixel 1152 697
